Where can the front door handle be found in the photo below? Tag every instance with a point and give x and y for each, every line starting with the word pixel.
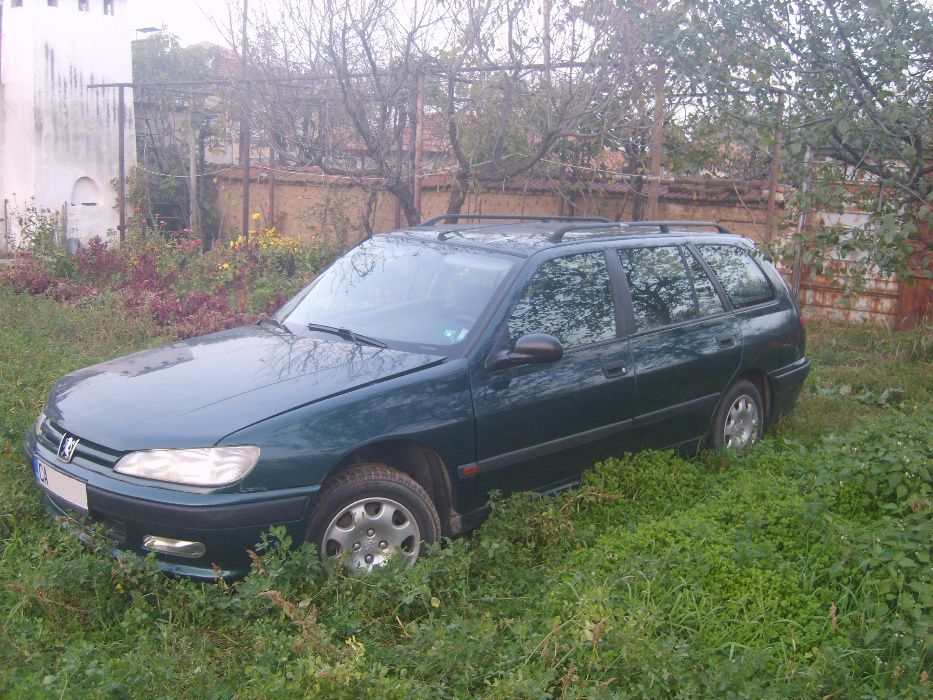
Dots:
pixel 615 369
pixel 726 340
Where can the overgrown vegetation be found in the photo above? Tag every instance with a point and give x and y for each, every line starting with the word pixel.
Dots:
pixel 799 569
pixel 166 277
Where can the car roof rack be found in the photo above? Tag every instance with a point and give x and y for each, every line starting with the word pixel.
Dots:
pixel 665 227
pixel 557 235
pixel 454 218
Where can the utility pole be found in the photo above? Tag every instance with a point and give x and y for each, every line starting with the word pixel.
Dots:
pixel 194 220
pixel 7 233
pixel 419 142
pixel 245 127
pixel 272 186
pixel 654 180
pixel 121 155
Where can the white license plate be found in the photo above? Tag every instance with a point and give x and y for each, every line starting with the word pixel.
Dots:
pixel 65 487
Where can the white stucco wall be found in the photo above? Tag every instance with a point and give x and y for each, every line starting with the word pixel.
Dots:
pixel 54 130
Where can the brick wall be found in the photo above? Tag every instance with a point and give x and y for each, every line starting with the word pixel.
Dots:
pixel 315 207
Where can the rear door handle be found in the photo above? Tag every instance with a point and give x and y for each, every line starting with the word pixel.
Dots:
pixel 615 369
pixel 727 340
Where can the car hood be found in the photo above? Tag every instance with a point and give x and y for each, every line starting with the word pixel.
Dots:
pixel 193 393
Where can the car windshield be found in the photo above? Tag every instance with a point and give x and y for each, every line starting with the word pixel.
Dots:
pixel 399 290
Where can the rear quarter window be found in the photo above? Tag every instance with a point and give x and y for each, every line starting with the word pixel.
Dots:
pixel 740 275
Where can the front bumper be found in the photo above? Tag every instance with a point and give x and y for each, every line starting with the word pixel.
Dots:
pixel 228 524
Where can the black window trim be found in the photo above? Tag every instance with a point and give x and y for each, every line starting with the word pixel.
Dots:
pixel 693 286
pixel 625 320
pixel 717 285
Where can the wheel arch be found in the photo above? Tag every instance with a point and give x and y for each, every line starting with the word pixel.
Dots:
pixel 760 379
pixel 416 459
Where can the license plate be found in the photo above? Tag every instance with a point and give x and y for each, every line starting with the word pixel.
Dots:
pixel 65 487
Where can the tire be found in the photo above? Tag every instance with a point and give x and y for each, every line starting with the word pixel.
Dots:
pixel 370 514
pixel 739 418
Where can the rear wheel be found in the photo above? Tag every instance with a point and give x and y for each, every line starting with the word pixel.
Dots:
pixel 739 419
pixel 371 514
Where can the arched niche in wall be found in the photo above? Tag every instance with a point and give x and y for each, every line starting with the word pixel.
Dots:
pixel 86 193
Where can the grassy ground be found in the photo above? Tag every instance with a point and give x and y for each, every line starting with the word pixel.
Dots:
pixel 801 569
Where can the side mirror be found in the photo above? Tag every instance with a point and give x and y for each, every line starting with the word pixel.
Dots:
pixel 534 348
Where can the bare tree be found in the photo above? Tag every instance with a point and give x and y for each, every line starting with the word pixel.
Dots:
pixel 335 85
pixel 526 77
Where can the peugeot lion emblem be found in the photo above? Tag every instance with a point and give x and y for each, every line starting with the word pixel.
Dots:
pixel 67 447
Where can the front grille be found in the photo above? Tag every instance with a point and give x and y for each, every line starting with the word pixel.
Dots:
pixel 50 437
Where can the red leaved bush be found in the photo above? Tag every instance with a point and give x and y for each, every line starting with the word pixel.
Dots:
pixel 66 290
pixel 273 305
pixel 142 275
pixel 171 280
pixel 97 263
pixel 136 281
pixel 207 320
pixel 27 275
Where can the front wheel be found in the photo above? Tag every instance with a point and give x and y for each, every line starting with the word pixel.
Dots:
pixel 739 419
pixel 371 514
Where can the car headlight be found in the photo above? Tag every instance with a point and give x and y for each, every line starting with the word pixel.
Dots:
pixel 207 466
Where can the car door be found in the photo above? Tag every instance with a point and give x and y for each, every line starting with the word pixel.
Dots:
pixel 769 322
pixel 685 343
pixel 539 425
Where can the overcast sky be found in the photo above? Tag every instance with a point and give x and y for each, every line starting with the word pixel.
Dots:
pixel 192 21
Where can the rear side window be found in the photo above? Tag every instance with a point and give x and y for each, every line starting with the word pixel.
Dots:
pixel 663 291
pixel 569 298
pixel 743 280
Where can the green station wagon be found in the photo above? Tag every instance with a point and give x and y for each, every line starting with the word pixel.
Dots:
pixel 423 369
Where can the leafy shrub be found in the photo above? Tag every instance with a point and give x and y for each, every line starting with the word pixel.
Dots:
pixel 169 277
pixel 886 464
pixel 97 263
pixel 26 275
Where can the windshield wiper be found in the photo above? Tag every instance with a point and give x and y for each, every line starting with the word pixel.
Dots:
pixel 275 322
pixel 347 334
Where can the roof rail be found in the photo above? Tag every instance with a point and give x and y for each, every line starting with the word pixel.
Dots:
pixel 665 226
pixel 558 235
pixel 453 218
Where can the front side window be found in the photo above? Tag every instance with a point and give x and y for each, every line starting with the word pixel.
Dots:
pixel 397 290
pixel 569 298
pixel 740 276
